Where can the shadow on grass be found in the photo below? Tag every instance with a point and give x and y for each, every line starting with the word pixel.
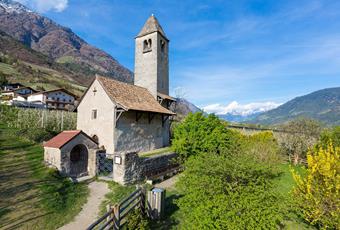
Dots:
pixel 170 219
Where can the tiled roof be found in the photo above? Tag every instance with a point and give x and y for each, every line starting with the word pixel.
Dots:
pixel 131 97
pixel 62 138
pixel 164 96
pixel 150 26
pixel 56 90
pixel 20 88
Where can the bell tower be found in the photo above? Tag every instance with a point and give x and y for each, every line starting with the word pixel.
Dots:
pixel 152 58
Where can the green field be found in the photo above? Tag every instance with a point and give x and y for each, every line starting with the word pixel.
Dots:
pixel 7 69
pixel 32 196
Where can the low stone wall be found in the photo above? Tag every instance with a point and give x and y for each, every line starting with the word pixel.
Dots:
pixel 134 168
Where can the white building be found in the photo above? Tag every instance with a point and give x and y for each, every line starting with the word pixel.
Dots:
pixel 53 99
pixel 17 95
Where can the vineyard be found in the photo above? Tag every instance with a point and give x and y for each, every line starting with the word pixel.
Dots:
pixel 37 122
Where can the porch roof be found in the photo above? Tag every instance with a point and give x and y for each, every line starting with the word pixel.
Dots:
pixel 63 138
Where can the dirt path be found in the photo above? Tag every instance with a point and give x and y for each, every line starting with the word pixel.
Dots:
pixel 90 211
pixel 169 183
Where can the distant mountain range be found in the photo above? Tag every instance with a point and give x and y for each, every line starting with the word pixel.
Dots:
pixel 58 43
pixel 322 105
pixel 239 118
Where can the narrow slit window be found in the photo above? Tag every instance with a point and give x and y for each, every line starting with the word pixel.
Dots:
pixel 94 114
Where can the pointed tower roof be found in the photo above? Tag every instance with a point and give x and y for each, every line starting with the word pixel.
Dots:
pixel 151 25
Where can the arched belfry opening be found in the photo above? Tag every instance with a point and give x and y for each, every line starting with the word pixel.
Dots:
pixel 78 161
pixel 147 45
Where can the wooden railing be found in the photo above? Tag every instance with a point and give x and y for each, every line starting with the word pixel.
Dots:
pixel 116 216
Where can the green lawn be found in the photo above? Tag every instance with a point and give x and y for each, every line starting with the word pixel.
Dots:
pixel 32 196
pixel 156 152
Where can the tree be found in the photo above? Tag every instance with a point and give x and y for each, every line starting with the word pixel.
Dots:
pixel 330 136
pixel 300 134
pixel 317 194
pixel 198 133
pixel 3 80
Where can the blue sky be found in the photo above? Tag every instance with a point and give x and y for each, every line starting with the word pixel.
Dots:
pixel 221 52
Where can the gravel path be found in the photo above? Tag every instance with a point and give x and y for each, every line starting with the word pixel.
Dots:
pixel 169 183
pixel 90 211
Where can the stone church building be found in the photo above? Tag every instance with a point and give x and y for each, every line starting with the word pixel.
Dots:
pixel 122 118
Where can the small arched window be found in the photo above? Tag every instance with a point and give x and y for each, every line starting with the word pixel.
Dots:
pixel 162 45
pixel 147 45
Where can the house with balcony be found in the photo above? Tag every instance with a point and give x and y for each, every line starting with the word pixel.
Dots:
pixel 53 99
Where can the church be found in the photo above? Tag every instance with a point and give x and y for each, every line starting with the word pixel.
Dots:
pixel 118 117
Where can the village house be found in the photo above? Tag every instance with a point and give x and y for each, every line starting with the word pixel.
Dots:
pixel 53 99
pixel 125 118
pixel 11 86
pixel 12 95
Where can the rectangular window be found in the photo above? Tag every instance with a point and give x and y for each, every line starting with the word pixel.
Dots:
pixel 94 114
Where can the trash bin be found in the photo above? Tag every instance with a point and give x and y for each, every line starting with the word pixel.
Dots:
pixel 156 203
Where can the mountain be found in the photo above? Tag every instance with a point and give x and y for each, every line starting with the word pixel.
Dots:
pixel 58 43
pixel 238 117
pixel 322 105
pixel 184 107
pixel 19 63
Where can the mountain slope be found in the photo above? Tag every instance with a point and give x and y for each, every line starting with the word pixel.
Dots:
pixel 19 63
pixel 58 42
pixel 322 105
pixel 183 108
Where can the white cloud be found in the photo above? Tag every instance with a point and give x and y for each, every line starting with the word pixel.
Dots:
pixel 238 109
pixel 43 6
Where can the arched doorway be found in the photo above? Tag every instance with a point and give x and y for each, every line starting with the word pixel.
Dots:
pixel 78 161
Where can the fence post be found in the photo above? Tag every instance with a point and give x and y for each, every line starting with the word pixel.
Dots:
pixel 117 216
pixel 142 200
pixel 108 208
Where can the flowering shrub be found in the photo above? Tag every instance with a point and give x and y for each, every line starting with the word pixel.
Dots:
pixel 318 192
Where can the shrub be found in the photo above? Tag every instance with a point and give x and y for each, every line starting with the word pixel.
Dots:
pixel 263 146
pixel 229 192
pixel 328 136
pixel 199 133
pixel 317 194
pixel 137 221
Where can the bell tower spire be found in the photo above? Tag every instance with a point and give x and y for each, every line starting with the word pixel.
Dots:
pixel 151 58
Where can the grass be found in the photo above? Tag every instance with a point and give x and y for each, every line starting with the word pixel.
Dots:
pixel 117 193
pixel 7 69
pixel 155 152
pixel 284 185
pixel 32 196
pixel 65 59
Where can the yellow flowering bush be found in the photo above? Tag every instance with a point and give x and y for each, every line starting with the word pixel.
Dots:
pixel 317 193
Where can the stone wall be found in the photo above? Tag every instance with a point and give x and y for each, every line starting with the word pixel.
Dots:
pixel 134 168
pixel 140 136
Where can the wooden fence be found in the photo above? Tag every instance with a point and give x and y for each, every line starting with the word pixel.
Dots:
pixel 116 216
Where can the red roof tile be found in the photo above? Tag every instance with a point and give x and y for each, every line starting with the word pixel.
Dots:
pixel 62 138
